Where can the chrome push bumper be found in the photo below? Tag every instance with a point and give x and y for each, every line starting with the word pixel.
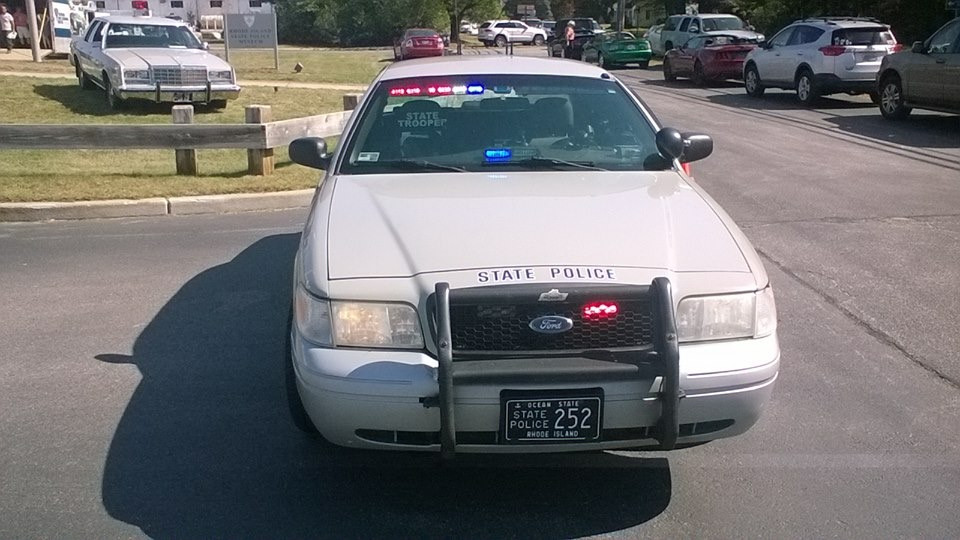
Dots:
pixel 186 94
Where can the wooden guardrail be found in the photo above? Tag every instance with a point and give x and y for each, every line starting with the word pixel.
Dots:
pixel 259 136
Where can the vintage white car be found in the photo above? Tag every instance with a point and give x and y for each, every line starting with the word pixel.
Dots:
pixel 507 255
pixel 151 58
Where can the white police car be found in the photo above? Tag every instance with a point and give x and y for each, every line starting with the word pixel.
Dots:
pixel 505 255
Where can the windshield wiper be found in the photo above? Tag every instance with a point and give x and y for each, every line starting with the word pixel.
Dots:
pixel 539 160
pixel 418 164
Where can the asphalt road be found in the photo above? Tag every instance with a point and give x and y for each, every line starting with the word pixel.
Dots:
pixel 141 384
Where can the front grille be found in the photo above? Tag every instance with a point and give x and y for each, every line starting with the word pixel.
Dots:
pixel 180 76
pixel 488 327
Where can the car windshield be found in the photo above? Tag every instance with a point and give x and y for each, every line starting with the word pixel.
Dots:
pixel 500 122
pixel 150 36
pixel 714 24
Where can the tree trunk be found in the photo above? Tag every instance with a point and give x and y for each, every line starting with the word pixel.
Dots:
pixel 454 28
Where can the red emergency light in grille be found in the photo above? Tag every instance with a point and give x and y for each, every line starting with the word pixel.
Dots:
pixel 600 310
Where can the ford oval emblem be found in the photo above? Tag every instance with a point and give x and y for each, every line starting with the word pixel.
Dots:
pixel 551 324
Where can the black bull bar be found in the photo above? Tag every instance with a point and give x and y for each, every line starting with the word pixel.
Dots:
pixel 660 360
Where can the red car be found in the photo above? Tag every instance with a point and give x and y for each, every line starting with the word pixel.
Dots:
pixel 418 43
pixel 711 57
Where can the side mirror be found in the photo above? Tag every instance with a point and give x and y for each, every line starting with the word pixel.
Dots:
pixel 696 147
pixel 310 152
pixel 686 147
pixel 918 47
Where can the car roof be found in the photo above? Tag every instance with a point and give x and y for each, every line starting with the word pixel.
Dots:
pixel 155 21
pixel 714 15
pixel 443 66
pixel 829 23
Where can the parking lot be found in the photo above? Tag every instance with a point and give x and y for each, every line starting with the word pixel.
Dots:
pixel 141 380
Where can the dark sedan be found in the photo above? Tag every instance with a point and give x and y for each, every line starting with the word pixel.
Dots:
pixel 418 43
pixel 706 58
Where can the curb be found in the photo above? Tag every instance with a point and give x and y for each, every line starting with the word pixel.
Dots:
pixel 155 206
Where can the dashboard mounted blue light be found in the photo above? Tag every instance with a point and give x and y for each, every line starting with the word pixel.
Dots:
pixel 497 154
pixel 475 89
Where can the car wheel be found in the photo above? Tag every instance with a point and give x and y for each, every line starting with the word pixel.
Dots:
pixel 806 89
pixel 82 78
pixel 699 78
pixel 891 98
pixel 113 100
pixel 645 65
pixel 667 46
pixel 298 415
pixel 538 40
pixel 751 82
pixel 501 41
pixel 668 74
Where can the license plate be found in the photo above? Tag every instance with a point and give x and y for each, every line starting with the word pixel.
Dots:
pixel 551 416
pixel 183 97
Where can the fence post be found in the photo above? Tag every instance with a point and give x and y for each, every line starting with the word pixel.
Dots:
pixel 186 158
pixel 259 160
pixel 350 101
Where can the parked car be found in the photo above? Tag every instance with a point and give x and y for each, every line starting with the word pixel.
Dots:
pixel 150 58
pixel 435 310
pixel 680 28
pixel 418 43
pixel 611 49
pixel 500 33
pixel 653 35
pixel 470 28
pixel 707 58
pixel 821 56
pixel 925 77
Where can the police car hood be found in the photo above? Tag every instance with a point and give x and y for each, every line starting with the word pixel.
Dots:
pixel 397 226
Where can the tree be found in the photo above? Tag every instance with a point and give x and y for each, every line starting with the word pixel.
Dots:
pixel 474 10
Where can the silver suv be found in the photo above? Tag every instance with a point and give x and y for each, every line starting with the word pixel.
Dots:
pixel 499 33
pixel 925 77
pixel 821 56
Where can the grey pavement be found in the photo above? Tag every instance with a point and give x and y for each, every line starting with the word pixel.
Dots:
pixel 141 390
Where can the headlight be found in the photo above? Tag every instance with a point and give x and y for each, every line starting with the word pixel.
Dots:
pixel 136 75
pixel 221 76
pixel 368 324
pixel 727 317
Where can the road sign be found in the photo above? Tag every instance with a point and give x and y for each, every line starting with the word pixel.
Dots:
pixel 251 31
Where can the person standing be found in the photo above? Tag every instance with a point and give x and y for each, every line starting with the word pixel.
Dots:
pixel 23 31
pixel 6 29
pixel 568 37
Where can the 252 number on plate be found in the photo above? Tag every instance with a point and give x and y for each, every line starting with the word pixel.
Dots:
pixel 551 416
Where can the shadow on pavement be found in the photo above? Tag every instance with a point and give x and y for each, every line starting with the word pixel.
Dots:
pixel 205 447
pixel 684 82
pixel 775 100
pixel 917 130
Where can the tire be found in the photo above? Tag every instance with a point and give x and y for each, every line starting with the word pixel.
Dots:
pixel 668 74
pixel 752 83
pixel 699 78
pixel 807 91
pixel 667 46
pixel 891 98
pixel 538 40
pixel 113 101
pixel 298 415
pixel 82 78
pixel 645 64
pixel 500 41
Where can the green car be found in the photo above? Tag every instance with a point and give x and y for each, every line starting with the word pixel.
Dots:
pixel 616 49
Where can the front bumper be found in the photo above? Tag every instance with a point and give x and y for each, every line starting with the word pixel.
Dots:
pixel 185 94
pixel 395 399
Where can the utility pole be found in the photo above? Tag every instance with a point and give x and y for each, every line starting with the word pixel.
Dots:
pixel 34 31
pixel 620 15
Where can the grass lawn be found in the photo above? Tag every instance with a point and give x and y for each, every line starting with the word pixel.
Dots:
pixel 339 66
pixel 68 175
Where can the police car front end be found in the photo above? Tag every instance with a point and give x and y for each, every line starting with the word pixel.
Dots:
pixel 502 259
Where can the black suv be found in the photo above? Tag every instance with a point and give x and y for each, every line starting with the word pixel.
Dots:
pixel 584 30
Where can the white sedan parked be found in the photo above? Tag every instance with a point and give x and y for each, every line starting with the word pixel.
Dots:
pixel 151 58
